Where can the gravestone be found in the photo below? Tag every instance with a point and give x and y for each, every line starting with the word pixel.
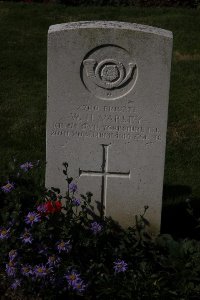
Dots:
pixel 108 88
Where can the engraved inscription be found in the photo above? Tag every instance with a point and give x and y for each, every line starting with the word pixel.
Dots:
pixel 106 123
pixel 108 72
pixel 104 174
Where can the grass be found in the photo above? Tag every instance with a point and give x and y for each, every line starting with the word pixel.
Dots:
pixel 23 51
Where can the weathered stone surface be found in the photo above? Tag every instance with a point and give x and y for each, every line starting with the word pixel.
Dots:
pixel 108 86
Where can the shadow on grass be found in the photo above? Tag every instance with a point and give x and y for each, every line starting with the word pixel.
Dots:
pixel 180 212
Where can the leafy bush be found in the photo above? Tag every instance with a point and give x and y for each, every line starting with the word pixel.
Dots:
pixel 57 247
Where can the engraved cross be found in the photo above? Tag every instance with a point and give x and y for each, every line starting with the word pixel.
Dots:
pixel 104 174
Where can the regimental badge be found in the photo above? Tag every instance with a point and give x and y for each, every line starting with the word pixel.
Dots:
pixel 106 77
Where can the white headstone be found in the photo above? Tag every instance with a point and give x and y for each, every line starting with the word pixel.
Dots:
pixel 108 88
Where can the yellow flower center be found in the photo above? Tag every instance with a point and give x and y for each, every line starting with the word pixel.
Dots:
pixel 40 270
pixel 26 270
pixel 52 258
pixel 62 245
pixel 10 264
pixel 79 286
pixel 72 277
pixel 8 186
pixel 31 218
pixel 3 232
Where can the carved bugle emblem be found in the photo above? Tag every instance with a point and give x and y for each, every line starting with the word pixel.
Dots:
pixel 109 73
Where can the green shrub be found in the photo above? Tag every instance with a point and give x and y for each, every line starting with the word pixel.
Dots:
pixel 57 247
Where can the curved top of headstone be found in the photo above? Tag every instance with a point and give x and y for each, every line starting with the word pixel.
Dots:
pixel 110 25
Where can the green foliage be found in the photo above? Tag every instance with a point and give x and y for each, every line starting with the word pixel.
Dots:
pixel 94 258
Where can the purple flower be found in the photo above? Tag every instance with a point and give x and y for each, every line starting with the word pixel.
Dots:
pixel 41 271
pixel 64 246
pixel 4 233
pixel 8 187
pixel 11 268
pixel 73 187
pixel 26 270
pixel 26 166
pixel 75 282
pixel 76 202
pixel 72 277
pixel 26 237
pixel 120 266
pixel 79 286
pixel 41 208
pixel 16 283
pixel 95 227
pixel 12 254
pixel 53 261
pixel 32 218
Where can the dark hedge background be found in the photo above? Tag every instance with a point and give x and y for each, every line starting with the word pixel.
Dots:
pixel 146 3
